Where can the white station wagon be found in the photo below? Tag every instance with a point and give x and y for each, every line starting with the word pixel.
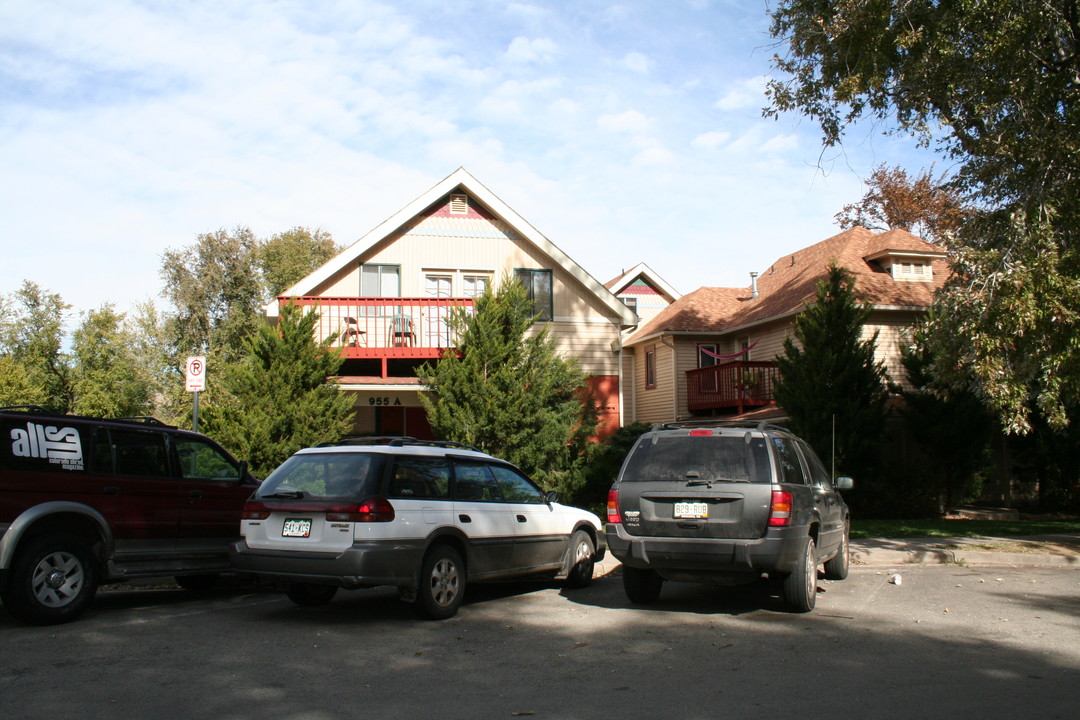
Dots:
pixel 426 517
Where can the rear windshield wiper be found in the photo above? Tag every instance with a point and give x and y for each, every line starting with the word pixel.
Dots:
pixel 710 482
pixel 290 494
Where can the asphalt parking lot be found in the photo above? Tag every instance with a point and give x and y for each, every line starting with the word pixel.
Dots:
pixel 946 641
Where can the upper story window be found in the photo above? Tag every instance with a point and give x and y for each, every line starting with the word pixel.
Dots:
pixel 380 280
pixel 916 271
pixel 474 285
pixel 538 286
pixel 630 302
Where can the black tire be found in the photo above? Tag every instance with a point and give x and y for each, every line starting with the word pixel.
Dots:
pixel 442 584
pixel 799 587
pixel 581 558
pixel 642 586
pixel 52 580
pixel 836 568
pixel 198 583
pixel 309 595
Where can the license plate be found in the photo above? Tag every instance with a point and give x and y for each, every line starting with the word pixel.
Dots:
pixel 691 510
pixel 296 527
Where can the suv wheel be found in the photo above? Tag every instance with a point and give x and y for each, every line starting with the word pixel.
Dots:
pixel 581 570
pixel 308 595
pixel 51 581
pixel 442 584
pixel 799 587
pixel 836 568
pixel 642 585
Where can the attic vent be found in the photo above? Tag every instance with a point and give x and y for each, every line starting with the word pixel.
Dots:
pixel 459 204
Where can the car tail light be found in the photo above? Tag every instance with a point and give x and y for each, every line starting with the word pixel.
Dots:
pixel 375 509
pixel 254 511
pixel 701 433
pixel 613 506
pixel 780 513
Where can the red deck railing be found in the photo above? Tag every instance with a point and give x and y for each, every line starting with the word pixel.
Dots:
pixel 738 385
pixel 384 327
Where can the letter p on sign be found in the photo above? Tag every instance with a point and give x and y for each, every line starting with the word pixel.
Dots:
pixel 195 374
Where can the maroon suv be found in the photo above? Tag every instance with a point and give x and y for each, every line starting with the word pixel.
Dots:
pixel 85 501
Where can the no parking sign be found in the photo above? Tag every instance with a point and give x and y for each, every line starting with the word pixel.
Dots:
pixel 195 374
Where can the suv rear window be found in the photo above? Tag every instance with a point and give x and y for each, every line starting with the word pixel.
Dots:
pixel 665 458
pixel 326 475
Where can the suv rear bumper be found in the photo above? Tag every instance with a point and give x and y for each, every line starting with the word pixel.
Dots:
pixel 779 550
pixel 361 565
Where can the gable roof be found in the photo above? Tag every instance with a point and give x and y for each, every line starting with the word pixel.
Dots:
pixel 463 180
pixel 792 281
pixel 646 274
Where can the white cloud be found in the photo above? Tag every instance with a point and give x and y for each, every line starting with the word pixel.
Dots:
pixel 712 140
pixel 537 50
pixel 744 94
pixel 637 62
pixel 630 121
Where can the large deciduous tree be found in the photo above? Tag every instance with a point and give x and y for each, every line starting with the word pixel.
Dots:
pixel 290 256
pixel 507 391
pixel 923 205
pixel 108 379
pixel 831 385
pixel 278 399
pixel 31 347
pixel 995 86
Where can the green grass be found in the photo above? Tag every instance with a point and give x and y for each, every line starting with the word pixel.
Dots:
pixel 862 529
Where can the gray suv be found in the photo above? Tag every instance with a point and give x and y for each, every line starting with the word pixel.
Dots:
pixel 723 503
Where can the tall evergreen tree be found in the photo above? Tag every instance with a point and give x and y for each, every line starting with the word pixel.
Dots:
pixel 507 391
pixel 277 399
pixel 832 379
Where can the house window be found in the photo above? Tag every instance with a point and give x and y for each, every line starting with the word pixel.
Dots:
pixel 650 367
pixel 538 286
pixel 630 302
pixel 380 280
pixel 437 285
pixel 704 359
pixel 473 286
pixel 913 271
pixel 744 344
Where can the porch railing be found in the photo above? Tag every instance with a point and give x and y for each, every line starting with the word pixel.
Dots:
pixel 738 385
pixel 384 327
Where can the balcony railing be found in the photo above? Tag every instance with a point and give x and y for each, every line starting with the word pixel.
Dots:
pixel 735 385
pixel 384 327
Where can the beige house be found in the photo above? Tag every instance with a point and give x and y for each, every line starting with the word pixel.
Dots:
pixel 710 352
pixel 385 300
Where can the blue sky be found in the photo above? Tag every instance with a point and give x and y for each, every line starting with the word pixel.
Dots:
pixel 625 132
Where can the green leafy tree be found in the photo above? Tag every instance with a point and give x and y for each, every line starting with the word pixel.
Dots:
pixel 288 257
pixel 831 378
pixel 277 399
pixel 31 339
pixel 17 387
pixel 107 377
pixel 952 432
pixel 216 289
pixel 992 84
pixel 507 391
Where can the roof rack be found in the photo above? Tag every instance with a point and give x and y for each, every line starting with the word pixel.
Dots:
pixel 142 420
pixel 751 424
pixel 397 441
pixel 39 410
pixel 30 409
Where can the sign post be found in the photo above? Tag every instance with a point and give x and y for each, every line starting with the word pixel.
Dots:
pixel 195 380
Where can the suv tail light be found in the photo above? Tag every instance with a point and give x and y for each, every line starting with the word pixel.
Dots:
pixel 254 511
pixel 376 509
pixel 780 513
pixel 613 506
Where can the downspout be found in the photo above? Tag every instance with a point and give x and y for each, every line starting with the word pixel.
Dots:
pixel 674 377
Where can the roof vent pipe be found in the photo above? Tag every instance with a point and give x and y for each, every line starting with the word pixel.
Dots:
pixel 753 285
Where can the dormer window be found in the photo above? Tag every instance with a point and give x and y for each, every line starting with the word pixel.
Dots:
pixel 906 265
pixel 917 271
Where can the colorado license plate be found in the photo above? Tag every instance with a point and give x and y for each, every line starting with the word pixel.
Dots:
pixel 691 510
pixel 296 527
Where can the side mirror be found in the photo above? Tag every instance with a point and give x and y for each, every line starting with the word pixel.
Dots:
pixel 243 470
pixel 551 496
pixel 844 483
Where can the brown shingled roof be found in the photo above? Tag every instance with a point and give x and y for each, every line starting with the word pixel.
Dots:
pixel 791 281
